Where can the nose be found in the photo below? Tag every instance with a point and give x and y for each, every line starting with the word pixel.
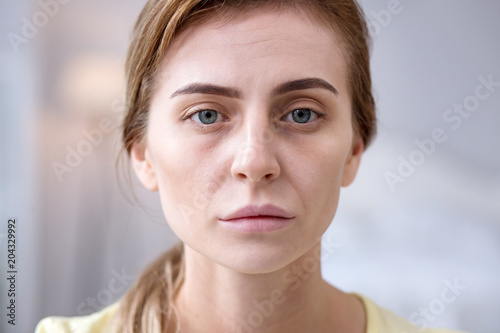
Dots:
pixel 255 159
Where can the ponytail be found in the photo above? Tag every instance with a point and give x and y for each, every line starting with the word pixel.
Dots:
pixel 149 304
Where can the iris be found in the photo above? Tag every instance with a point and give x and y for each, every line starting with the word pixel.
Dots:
pixel 301 115
pixel 207 116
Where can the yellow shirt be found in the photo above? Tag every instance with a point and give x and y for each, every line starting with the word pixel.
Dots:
pixel 379 320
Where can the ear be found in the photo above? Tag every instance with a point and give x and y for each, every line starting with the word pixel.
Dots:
pixel 352 162
pixel 141 162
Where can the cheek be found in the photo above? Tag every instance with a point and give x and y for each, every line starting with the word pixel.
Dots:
pixel 187 178
pixel 317 171
pixel 319 165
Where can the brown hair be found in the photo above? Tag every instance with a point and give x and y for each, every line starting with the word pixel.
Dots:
pixel 148 306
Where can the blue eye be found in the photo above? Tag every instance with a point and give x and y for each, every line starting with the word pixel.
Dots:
pixel 302 115
pixel 206 117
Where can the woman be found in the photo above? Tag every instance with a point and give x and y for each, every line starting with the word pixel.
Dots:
pixel 247 117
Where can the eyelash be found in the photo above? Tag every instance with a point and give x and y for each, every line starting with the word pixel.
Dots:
pixel 191 114
pixel 319 115
pixel 316 113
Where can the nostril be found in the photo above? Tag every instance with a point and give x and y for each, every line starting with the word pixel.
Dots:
pixel 255 162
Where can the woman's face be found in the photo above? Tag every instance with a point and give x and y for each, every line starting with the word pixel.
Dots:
pixel 252 112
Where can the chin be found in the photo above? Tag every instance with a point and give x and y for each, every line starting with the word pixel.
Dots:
pixel 255 257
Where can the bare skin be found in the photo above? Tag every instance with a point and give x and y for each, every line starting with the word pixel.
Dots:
pixel 308 304
pixel 265 66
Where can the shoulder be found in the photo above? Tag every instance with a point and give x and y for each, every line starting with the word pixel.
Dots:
pixel 95 323
pixel 381 320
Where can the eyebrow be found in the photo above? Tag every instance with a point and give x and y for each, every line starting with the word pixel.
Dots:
pixel 211 89
pixel 303 84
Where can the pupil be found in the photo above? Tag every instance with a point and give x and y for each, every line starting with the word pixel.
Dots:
pixel 301 115
pixel 208 117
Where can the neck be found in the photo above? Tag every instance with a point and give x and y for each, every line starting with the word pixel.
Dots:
pixel 214 298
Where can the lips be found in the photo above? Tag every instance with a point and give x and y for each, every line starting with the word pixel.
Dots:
pixel 257 219
pixel 251 211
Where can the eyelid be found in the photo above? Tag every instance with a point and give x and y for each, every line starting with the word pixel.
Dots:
pixel 318 115
pixel 303 103
pixel 197 109
pixel 307 104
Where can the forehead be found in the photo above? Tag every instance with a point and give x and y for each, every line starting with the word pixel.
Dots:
pixel 290 41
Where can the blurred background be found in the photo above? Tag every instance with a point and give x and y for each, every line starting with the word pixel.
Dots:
pixel 421 219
